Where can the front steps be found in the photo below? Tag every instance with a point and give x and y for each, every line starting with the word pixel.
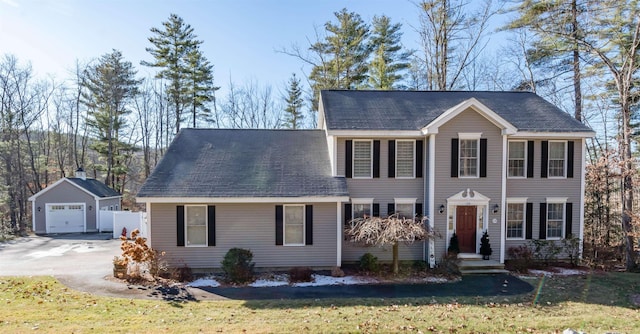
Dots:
pixel 473 264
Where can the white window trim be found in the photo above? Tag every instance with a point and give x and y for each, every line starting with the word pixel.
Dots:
pixel 477 176
pixel 524 173
pixel 368 201
pixel 353 157
pixel 523 201
pixel 564 171
pixel 284 225
pixel 470 135
pixel 404 200
pixel 186 226
pixel 413 167
pixel 557 200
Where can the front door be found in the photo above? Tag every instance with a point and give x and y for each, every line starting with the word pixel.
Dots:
pixel 466 228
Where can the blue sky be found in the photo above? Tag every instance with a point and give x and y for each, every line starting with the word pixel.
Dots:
pixel 240 36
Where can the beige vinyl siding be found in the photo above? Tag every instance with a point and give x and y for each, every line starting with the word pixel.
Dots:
pixel 250 226
pixel 64 192
pixel 537 189
pixel 383 190
pixel 446 186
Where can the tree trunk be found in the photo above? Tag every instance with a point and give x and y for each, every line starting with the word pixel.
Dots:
pixel 395 264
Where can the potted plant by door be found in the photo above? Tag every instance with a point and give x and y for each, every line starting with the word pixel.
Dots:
pixel 485 246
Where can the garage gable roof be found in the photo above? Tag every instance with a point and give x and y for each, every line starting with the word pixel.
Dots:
pixel 92 187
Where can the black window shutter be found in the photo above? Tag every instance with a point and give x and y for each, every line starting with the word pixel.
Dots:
pixel 543 220
pixel 392 158
pixel 180 224
pixel 211 225
pixel 279 225
pixel 544 163
pixel 308 225
pixel 529 221
pixel 376 210
pixel 454 157
pixel 483 157
pixel 391 207
pixel 419 157
pixel 418 209
pixel 570 149
pixel 530 158
pixel 568 219
pixel 348 168
pixel 376 158
pixel 347 213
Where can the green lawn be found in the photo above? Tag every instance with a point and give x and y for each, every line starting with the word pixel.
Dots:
pixel 595 304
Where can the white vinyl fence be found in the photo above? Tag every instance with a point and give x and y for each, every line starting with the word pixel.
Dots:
pixel 116 221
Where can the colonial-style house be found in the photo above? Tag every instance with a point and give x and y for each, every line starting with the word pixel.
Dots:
pixel 509 163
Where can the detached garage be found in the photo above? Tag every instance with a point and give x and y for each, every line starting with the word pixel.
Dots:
pixel 72 205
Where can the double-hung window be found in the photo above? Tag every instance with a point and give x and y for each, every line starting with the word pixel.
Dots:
pixel 516 219
pixel 294 216
pixel 517 154
pixel 196 225
pixel 405 160
pixel 405 207
pixel 555 220
pixel 361 208
pixel 557 158
pixel 468 158
pixel 362 158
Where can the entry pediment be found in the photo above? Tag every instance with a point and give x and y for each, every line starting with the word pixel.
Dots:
pixel 469 197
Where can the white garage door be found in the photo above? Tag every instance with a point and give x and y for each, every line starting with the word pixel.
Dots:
pixel 65 217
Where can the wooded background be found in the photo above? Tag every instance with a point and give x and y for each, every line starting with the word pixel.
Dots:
pixel 581 55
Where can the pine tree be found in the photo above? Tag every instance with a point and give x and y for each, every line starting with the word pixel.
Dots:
pixel 111 86
pixel 200 86
pixel 295 103
pixel 385 69
pixel 552 21
pixel 177 54
pixel 344 54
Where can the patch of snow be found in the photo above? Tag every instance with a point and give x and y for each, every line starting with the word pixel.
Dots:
pixel 431 279
pixel 205 281
pixel 319 280
pixel 61 250
pixel 276 280
pixel 557 271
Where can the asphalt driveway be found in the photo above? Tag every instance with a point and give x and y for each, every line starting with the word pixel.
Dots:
pixel 84 262
pixel 86 255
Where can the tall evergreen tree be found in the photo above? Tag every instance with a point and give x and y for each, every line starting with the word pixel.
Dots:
pixel 295 103
pixel 343 54
pixel 111 87
pixel 552 21
pixel 200 86
pixel 176 52
pixel 385 69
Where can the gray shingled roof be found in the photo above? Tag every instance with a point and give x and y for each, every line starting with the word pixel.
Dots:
pixel 245 163
pixel 412 110
pixel 95 187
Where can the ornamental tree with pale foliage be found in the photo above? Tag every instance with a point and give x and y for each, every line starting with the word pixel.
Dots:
pixel 389 231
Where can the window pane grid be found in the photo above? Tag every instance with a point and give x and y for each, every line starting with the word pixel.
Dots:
pixel 196 225
pixel 516 159
pixel 404 210
pixel 362 159
pixel 361 210
pixel 556 159
pixel 468 158
pixel 404 158
pixel 294 225
pixel 515 220
pixel 555 220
